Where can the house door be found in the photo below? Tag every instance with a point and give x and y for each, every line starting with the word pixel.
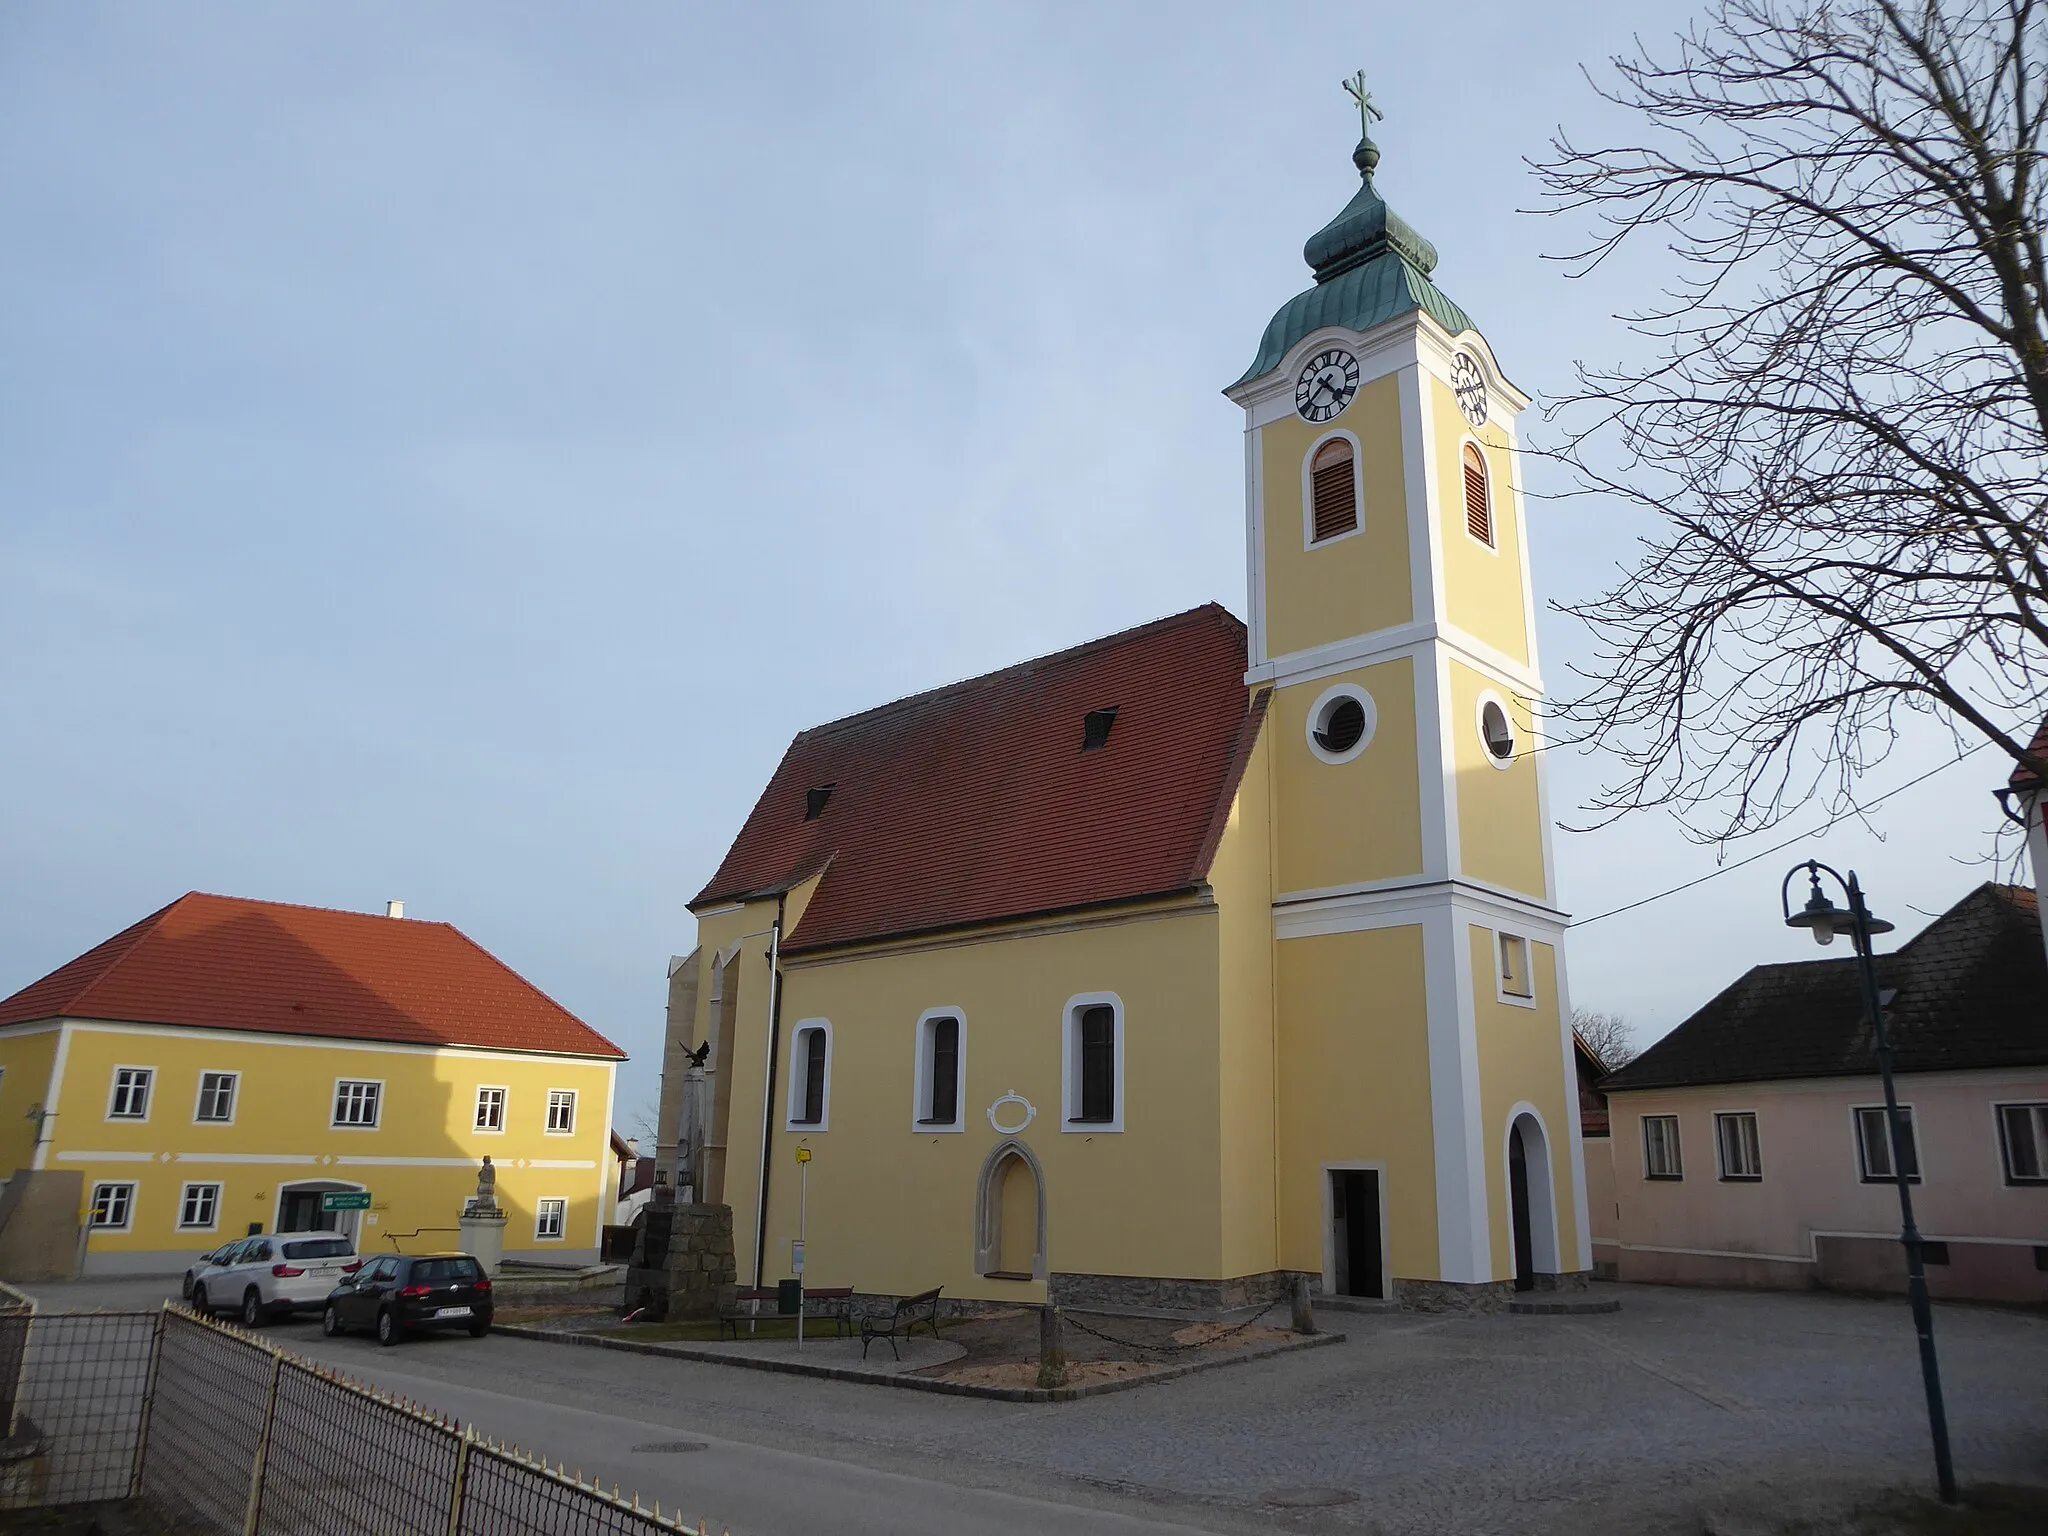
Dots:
pixel 1355 1232
pixel 300 1211
pixel 1518 1195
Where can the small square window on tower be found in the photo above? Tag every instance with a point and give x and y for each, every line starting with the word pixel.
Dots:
pixel 1516 983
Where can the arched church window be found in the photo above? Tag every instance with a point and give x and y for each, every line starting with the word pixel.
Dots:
pixel 1333 490
pixel 1478 497
pixel 810 1077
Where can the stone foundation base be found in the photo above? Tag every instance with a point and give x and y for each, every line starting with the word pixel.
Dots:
pixel 683 1258
pixel 1570 1280
pixel 1140 1293
pixel 1454 1298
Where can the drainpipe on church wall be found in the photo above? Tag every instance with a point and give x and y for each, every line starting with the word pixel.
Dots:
pixel 768 1092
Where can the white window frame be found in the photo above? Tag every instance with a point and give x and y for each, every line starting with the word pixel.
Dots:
pixel 185 1206
pixel 502 1104
pixel 1677 1175
pixel 1070 1064
pixel 1492 498
pixel 920 1097
pixel 1491 696
pixel 127 1204
pixel 1501 940
pixel 558 1206
pixel 1856 1114
pixel 797 1073
pixel 115 1085
pixel 2039 1120
pixel 1309 541
pixel 334 1104
pixel 561 1095
pixel 234 1098
pixel 1721 1147
pixel 1324 700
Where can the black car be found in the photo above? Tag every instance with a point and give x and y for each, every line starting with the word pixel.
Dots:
pixel 402 1293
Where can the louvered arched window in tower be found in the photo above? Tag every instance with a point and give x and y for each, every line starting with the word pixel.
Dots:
pixel 1478 497
pixel 1333 491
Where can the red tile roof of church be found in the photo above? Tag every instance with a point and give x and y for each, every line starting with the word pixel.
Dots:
pixel 221 962
pixel 975 802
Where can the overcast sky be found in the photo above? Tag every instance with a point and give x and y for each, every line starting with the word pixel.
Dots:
pixel 446 452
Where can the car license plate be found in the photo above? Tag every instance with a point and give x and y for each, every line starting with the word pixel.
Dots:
pixel 451 1312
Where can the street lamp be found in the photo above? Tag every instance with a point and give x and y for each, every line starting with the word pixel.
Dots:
pixel 1823 919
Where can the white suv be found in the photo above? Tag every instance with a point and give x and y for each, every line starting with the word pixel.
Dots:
pixel 273 1276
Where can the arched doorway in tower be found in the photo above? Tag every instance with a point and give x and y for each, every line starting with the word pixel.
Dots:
pixel 1009 1217
pixel 1532 1202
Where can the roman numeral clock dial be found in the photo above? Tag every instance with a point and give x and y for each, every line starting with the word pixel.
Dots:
pixel 1327 384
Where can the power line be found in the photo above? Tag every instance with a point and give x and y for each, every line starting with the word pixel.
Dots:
pixel 1765 853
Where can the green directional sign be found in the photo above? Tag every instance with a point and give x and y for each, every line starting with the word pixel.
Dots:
pixel 345 1200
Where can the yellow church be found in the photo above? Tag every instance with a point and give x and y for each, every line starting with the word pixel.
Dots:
pixel 1158 971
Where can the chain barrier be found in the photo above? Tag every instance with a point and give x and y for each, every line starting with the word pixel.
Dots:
pixel 1067 1319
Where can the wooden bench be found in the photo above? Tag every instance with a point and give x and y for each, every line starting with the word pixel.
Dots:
pixel 900 1319
pixel 746 1307
pixel 832 1304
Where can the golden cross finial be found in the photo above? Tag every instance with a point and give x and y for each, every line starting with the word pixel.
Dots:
pixel 1355 89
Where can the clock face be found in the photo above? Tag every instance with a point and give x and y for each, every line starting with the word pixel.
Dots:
pixel 1470 385
pixel 1326 385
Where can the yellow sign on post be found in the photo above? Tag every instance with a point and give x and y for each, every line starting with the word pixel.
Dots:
pixel 803 1154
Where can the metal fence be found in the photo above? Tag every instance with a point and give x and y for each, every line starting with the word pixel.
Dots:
pixel 224 1433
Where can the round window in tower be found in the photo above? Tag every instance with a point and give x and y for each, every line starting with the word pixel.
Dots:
pixel 1340 726
pixel 1496 730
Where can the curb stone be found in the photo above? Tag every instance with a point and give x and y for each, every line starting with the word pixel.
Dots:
pixel 920 1383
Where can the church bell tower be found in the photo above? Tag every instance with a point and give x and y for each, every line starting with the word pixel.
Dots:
pixel 1428 1087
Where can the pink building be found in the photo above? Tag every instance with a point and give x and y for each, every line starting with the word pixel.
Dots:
pixel 1748 1146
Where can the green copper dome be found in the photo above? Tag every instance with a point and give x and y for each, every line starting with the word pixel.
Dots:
pixel 1370 266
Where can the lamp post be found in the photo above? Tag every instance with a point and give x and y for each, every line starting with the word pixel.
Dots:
pixel 1824 920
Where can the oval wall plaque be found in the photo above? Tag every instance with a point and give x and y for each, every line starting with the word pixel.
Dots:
pixel 996 1117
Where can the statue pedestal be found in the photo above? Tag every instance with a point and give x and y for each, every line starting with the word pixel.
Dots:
pixel 483 1235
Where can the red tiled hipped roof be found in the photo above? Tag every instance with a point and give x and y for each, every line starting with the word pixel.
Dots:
pixel 975 802
pixel 2024 777
pixel 220 962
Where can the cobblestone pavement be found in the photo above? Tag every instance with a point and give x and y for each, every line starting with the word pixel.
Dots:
pixel 1685 1403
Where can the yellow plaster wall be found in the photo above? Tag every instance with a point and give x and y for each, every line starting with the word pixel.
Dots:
pixel 1521 1058
pixel 1348 586
pixel 283 1110
pixel 1483 592
pixel 746 926
pixel 1242 880
pixel 1354 1087
pixel 25 1061
pixel 891 1207
pixel 1339 823
pixel 1500 814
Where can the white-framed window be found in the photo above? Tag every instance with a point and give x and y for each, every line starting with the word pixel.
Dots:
pixel 1092 1064
pixel 1661 1157
pixel 490 1110
pixel 550 1218
pixel 1496 727
pixel 1874 1144
pixel 561 1111
pixel 128 1098
pixel 1742 1158
pixel 941 1064
pixel 1332 491
pixel 2023 1138
pixel 1341 723
pixel 810 1076
pixel 1514 963
pixel 357 1103
pixel 199 1208
pixel 113 1207
pixel 216 1104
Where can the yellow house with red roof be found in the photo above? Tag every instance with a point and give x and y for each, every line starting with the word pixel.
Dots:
pixel 226 1066
pixel 1170 967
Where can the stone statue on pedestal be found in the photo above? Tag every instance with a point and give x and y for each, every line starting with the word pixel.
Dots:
pixel 486 1197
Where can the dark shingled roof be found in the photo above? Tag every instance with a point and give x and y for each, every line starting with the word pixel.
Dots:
pixel 1970 990
pixel 976 802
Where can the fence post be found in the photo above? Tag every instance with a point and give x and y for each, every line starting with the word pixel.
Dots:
pixel 156 1352
pixel 255 1513
pixel 461 1485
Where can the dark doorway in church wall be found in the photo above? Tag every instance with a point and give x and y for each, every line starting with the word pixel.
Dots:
pixel 1518 1196
pixel 1355 1233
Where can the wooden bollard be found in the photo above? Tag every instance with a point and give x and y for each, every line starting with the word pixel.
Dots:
pixel 1052 1349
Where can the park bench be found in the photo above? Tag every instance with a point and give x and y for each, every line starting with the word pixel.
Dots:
pixel 831 1304
pixel 755 1304
pixel 746 1307
pixel 900 1319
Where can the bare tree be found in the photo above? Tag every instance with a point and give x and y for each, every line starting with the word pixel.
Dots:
pixel 1609 1036
pixel 1842 442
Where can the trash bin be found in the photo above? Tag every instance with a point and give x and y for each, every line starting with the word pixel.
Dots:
pixel 789 1297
